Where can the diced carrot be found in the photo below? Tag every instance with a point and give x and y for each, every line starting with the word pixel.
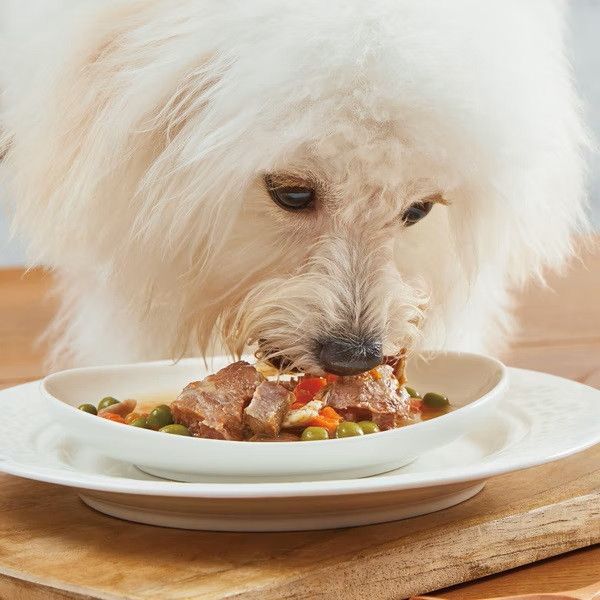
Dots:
pixel 330 413
pixel 307 388
pixel 327 418
pixel 113 417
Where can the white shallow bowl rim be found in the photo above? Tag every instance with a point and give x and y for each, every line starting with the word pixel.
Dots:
pixel 473 472
pixel 497 389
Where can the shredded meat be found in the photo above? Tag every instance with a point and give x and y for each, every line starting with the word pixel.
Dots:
pixel 300 417
pixel 213 407
pixel 122 408
pixel 268 407
pixel 364 397
pixel 398 363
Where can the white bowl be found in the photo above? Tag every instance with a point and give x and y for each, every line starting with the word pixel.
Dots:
pixel 473 383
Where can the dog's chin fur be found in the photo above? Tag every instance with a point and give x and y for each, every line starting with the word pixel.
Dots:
pixel 138 135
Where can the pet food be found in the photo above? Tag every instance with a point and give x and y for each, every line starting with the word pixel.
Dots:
pixel 239 403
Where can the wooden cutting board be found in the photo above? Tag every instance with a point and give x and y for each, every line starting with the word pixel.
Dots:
pixel 51 546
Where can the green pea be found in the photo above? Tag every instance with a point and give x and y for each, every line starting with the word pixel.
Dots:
pixel 433 400
pixel 160 417
pixel 411 392
pixel 140 422
pixel 311 434
pixel 368 427
pixel 88 408
pixel 348 429
pixel 175 429
pixel 105 402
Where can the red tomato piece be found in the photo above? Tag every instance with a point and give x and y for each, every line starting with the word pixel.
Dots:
pixel 307 388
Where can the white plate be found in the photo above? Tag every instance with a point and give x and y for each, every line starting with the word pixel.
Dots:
pixel 542 418
pixel 474 384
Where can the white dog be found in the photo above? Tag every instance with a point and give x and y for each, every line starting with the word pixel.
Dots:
pixel 333 180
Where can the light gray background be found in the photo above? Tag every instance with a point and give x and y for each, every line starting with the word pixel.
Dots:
pixel 585 49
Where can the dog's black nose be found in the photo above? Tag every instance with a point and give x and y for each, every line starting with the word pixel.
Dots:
pixel 349 357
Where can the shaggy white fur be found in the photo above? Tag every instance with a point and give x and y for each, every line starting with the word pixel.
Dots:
pixel 138 134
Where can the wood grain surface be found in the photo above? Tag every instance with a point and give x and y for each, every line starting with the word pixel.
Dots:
pixel 51 546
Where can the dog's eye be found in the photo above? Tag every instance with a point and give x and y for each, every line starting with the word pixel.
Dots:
pixel 416 212
pixel 291 197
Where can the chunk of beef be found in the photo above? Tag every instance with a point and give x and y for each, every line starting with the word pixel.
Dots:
pixel 377 398
pixel 214 407
pixel 267 409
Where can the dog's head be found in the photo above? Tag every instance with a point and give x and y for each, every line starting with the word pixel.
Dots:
pixel 317 279
pixel 330 181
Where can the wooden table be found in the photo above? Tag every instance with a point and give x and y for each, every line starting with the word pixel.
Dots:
pixel 560 334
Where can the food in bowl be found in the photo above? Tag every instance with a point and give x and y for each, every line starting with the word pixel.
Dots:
pixel 241 403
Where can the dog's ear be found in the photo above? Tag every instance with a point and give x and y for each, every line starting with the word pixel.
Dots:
pixel 118 136
pixel 545 190
pixel 544 199
pixel 527 205
pixel 549 205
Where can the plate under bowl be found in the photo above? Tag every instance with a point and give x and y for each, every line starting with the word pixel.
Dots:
pixel 474 383
pixel 542 418
pixel 317 513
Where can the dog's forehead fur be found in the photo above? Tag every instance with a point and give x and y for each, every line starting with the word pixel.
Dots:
pixel 393 94
pixel 376 84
